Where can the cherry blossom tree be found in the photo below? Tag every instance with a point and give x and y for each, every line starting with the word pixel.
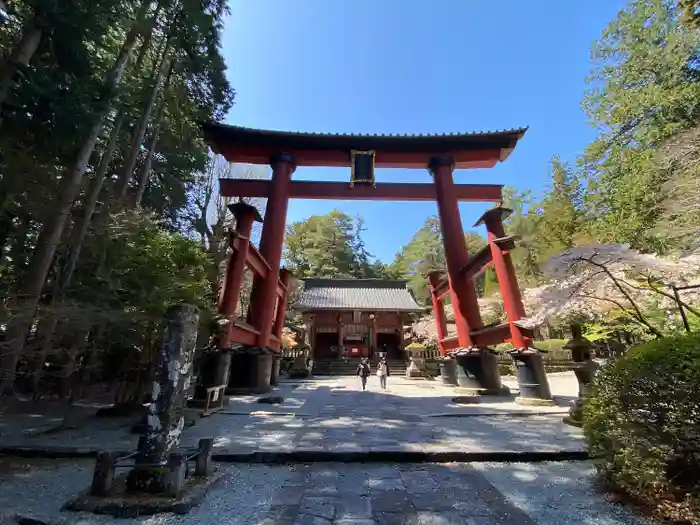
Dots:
pixel 597 280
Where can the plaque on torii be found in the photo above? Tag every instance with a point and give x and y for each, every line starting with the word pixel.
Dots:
pixel 362 168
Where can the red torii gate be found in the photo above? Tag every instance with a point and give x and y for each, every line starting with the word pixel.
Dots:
pixel 441 155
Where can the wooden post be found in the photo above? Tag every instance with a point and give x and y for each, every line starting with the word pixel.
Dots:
pixel 271 240
pixel 284 275
pixel 438 310
pixel 103 475
pixel 245 215
pixel 464 297
pixel 505 272
pixel 203 464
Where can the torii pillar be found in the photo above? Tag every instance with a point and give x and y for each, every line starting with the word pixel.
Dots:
pixel 463 291
pixel 264 293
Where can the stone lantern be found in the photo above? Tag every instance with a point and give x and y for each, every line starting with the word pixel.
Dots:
pixel 584 368
pixel 416 354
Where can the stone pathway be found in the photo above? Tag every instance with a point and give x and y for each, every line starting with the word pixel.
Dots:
pixel 342 494
pixel 334 415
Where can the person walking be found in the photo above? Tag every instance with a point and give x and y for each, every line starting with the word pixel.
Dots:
pixel 383 372
pixel 363 372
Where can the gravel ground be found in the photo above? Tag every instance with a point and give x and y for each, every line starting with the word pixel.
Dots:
pixel 324 494
pixel 557 493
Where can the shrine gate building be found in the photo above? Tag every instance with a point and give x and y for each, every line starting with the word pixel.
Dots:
pixel 356 317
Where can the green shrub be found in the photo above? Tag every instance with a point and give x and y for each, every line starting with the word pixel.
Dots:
pixel 506 370
pixel 642 423
pixel 554 348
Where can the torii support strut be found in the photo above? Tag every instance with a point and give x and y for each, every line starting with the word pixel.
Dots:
pixel 532 379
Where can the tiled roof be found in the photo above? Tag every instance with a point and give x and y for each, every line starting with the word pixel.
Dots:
pixel 218 135
pixel 279 133
pixel 356 294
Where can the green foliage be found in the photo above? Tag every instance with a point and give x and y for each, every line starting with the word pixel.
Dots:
pixel 490 283
pixel 151 268
pixel 130 265
pixel 330 246
pixel 644 89
pixel 598 331
pixel 425 252
pixel 561 211
pixel 641 422
pixel 523 223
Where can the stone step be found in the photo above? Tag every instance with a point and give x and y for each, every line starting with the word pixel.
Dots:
pixel 332 367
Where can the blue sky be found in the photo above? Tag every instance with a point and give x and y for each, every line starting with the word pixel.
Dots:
pixel 416 66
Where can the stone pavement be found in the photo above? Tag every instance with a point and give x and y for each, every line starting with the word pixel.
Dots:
pixel 343 494
pixel 335 415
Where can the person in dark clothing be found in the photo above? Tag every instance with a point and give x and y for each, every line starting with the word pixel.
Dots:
pixel 363 372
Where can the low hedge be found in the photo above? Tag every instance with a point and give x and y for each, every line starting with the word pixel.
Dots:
pixel 642 425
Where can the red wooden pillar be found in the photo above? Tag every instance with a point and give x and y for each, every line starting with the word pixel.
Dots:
pixel 341 335
pixel 463 291
pixel 505 272
pixel 282 303
pixel 438 310
pixel 265 292
pixel 373 335
pixel 245 215
pixel 312 335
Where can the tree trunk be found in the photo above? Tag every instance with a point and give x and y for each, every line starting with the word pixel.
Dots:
pixel 140 131
pixel 18 246
pixel 146 168
pixel 20 56
pixel 83 224
pixel 78 236
pixel 53 228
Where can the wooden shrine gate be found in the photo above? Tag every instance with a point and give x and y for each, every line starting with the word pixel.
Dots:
pixel 441 155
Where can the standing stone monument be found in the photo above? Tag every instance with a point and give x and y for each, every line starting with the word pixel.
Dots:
pixel 162 468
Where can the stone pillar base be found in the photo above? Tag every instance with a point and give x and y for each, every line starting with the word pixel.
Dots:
pixel 215 371
pixel 448 371
pixel 251 371
pixel 477 369
pixel 532 379
pixel 275 370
